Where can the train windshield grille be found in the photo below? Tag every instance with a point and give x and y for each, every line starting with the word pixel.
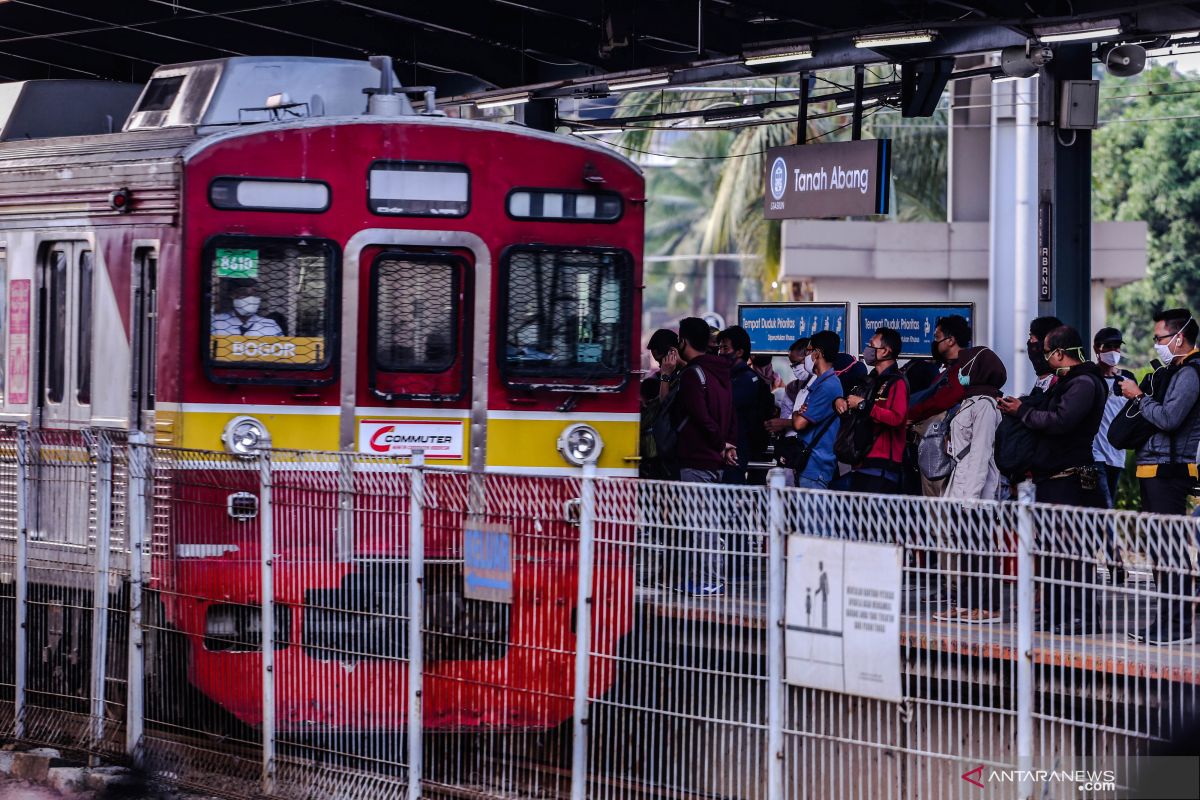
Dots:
pixel 416 312
pixel 567 313
pixel 270 302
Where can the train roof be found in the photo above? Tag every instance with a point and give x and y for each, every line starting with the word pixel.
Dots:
pixel 185 143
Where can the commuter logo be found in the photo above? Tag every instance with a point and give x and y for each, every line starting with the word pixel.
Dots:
pixel 438 439
pixel 778 178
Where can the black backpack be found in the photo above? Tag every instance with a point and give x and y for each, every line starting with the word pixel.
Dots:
pixel 764 409
pixel 1129 430
pixel 1016 444
pixel 858 434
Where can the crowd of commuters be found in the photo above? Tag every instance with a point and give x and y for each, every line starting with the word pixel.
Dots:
pixel 714 412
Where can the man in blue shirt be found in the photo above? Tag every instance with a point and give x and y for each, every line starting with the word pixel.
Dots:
pixel 816 420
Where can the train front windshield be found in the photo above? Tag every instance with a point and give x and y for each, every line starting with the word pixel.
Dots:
pixel 271 302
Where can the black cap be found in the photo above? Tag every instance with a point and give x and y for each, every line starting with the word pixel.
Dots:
pixel 1108 336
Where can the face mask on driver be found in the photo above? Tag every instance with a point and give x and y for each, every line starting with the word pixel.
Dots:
pixel 247 306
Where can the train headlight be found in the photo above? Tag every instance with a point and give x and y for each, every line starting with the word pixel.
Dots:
pixel 580 444
pixel 245 436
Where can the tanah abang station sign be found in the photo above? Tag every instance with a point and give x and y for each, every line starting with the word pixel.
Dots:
pixel 838 179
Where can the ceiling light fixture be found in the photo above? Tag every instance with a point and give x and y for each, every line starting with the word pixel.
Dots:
pixel 598 131
pixel 890 39
pixel 777 56
pixel 639 82
pixel 1007 78
pixel 730 118
pixel 1078 31
pixel 870 101
pixel 1185 35
pixel 1182 49
pixel 505 100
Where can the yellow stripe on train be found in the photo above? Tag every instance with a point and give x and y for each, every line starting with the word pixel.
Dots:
pixel 512 440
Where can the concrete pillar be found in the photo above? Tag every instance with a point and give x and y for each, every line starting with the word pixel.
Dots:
pixel 1012 289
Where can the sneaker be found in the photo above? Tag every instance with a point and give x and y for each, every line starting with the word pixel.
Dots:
pixel 705 589
pixel 978 616
pixel 950 614
pixel 1175 634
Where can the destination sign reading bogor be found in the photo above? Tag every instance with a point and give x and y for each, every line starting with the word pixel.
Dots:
pixel 838 179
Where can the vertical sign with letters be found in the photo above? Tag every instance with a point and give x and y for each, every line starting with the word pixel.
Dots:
pixel 18 341
pixel 1045 257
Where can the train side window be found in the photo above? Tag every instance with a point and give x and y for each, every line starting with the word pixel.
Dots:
pixel 270 302
pixel 160 94
pixel 414 314
pixel 56 328
pixel 566 312
pixel 83 352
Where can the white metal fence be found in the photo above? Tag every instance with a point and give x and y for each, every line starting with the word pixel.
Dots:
pixel 298 625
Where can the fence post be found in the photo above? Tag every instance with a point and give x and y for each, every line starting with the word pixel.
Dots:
pixel 21 568
pixel 776 542
pixel 100 587
pixel 416 620
pixel 583 631
pixel 267 551
pixel 1025 537
pixel 136 516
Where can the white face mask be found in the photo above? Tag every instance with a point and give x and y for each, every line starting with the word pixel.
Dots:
pixel 1111 358
pixel 801 370
pixel 809 363
pixel 1164 353
pixel 247 306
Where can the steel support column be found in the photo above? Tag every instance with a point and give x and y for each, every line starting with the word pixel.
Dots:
pixel 1065 183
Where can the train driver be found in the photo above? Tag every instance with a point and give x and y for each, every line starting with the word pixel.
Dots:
pixel 241 316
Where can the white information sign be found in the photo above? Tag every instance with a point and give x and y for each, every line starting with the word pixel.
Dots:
pixel 439 438
pixel 843 617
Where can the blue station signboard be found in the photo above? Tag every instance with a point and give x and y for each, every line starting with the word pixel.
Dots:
pixel 914 322
pixel 774 326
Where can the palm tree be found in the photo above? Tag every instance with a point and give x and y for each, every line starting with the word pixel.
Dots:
pixel 733 221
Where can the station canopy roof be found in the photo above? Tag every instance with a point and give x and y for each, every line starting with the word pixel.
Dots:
pixel 551 47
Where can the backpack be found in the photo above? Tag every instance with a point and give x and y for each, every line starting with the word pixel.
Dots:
pixel 933 456
pixel 858 432
pixel 1016 444
pixel 660 436
pixel 764 409
pixel 1129 430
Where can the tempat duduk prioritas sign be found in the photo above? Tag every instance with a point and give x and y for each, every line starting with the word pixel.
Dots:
pixel 819 181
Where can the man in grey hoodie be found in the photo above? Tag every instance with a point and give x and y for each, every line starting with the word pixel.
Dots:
pixel 1166 463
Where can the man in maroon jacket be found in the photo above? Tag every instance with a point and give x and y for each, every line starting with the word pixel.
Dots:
pixel 703 414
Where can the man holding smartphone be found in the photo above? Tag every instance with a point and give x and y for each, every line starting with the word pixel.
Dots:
pixel 1166 463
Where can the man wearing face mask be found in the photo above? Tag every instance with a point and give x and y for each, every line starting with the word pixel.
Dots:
pixel 242 318
pixel 1064 469
pixel 951 336
pixel 1166 467
pixel 1109 460
pixel 753 403
pixel 883 397
pixel 792 397
pixel 1036 353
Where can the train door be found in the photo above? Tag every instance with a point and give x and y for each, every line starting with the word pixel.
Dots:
pixel 65 281
pixel 143 337
pixel 61 477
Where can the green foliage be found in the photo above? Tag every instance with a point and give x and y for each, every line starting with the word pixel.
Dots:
pixel 1146 166
pixel 710 199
